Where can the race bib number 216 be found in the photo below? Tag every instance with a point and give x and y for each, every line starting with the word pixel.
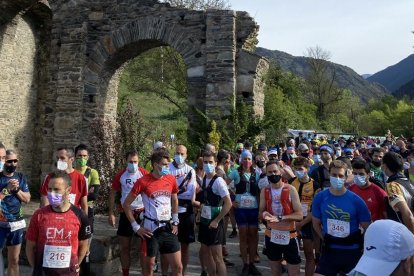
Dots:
pixel 56 256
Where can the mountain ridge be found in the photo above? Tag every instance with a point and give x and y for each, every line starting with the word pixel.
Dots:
pixel 345 77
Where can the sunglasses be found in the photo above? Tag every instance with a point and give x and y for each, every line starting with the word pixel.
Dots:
pixel 12 161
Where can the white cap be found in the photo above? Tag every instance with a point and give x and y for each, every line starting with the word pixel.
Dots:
pixel 386 244
pixel 158 145
pixel 272 151
pixel 302 147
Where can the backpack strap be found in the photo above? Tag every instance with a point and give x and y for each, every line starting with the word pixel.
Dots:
pixel 181 188
pixel 87 172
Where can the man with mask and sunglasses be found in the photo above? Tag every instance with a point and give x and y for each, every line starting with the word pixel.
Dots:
pixel 79 193
pixel 337 214
pixel 57 237
pixel 13 191
pixel 160 226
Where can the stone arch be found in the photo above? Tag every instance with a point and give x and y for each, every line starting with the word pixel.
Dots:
pixel 112 51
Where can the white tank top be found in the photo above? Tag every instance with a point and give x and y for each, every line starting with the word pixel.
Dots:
pixel 277 208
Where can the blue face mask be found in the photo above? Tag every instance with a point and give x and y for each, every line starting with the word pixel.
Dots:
pixel 360 180
pixel 132 168
pixel 179 159
pixel 208 168
pixel 337 183
pixel 317 158
pixel 300 174
pixel 164 170
pixel 1 166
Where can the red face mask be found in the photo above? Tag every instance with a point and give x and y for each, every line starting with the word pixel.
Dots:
pixel 247 164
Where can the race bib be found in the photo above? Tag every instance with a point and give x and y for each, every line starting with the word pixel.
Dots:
pixel 72 198
pixel 163 212
pixel 16 225
pixel 280 237
pixel 338 228
pixel 56 256
pixel 305 209
pixel 248 201
pixel 206 212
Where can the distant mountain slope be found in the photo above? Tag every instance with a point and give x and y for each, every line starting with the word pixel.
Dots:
pixel 365 76
pixel 345 76
pixel 397 75
pixel 406 90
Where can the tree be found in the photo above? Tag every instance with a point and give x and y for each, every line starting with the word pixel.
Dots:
pixel 321 86
pixel 200 4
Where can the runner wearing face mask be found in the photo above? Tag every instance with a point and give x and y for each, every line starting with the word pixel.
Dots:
pixel 2 156
pixel 375 167
pixel 121 186
pixel 307 189
pixel 57 237
pixel 13 191
pixel 372 195
pixel 321 174
pixel 186 184
pixel 279 209
pixel 79 193
pixel 246 208
pixel 337 214
pixel 160 226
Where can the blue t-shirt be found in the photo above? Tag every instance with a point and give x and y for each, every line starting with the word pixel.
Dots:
pixel 347 208
pixel 235 176
pixel 11 206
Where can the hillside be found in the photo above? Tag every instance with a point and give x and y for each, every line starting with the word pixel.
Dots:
pixel 345 76
pixel 406 90
pixel 397 75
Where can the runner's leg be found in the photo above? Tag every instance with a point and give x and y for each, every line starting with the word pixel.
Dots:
pixel 174 260
pixel 125 256
pixel 13 260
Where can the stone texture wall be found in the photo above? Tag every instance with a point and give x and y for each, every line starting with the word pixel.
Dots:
pixel 18 89
pixel 81 48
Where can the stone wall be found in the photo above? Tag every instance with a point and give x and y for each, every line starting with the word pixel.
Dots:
pixel 18 89
pixel 68 55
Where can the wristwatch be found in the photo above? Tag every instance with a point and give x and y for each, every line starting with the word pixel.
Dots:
pixel 279 218
pixel 5 192
pixel 175 223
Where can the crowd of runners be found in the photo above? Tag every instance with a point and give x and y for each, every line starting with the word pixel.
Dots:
pixel 347 203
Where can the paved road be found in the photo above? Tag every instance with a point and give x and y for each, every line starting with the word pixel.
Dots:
pixel 193 268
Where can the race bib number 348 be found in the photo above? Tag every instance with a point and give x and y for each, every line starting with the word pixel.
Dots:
pixel 56 256
pixel 338 228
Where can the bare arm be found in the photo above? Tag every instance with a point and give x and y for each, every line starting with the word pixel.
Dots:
pixel 127 207
pixel 84 204
pixel 297 207
pixel 82 250
pixel 406 215
pixel 30 252
pixel 23 196
pixel 225 209
pixel 174 204
pixel 111 205
pixel 317 226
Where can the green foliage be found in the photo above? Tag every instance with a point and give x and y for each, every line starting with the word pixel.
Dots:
pixel 214 136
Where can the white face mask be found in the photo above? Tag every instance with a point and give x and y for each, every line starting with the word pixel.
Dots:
pixel 62 165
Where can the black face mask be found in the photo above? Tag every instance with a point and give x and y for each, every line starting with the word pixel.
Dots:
pixel 10 169
pixel 376 163
pixel 239 151
pixel 260 164
pixel 274 178
pixel 305 154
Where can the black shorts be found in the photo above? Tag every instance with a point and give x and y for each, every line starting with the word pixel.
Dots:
pixel 277 252
pixel 186 232
pixel 306 232
pixel 335 261
pixel 211 237
pixel 124 227
pixel 164 241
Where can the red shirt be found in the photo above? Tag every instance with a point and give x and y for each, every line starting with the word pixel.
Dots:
pixel 374 197
pixel 156 197
pixel 78 187
pixel 57 237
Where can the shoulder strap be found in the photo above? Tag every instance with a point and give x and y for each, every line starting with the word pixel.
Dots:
pixel 186 179
pixel 87 172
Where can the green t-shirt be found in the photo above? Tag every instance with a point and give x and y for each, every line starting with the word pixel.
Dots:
pixel 93 179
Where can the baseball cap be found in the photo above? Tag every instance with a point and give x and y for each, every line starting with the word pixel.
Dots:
pixel 326 148
pixel 303 147
pixel 245 154
pixel 386 244
pixel 261 147
pixel 239 146
pixel 158 145
pixel 272 151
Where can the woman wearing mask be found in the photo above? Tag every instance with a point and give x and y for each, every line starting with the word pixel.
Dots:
pixel 246 211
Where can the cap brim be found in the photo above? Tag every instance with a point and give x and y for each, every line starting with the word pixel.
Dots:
pixel 374 267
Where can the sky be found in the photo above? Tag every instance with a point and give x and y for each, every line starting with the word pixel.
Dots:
pixel 366 35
